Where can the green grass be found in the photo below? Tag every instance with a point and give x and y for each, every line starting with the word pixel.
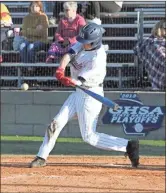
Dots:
pixel 36 138
pixel 158 143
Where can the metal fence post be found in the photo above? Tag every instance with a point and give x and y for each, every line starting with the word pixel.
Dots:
pixel 140 32
pixel 120 77
pixel 19 77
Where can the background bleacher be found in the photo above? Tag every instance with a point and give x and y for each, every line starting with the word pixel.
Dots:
pixel 123 30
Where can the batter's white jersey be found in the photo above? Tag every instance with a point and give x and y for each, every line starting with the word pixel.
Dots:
pixel 90 65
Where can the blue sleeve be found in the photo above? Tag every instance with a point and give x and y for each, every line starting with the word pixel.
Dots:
pixel 75 49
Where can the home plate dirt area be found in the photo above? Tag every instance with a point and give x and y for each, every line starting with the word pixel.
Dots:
pixel 83 174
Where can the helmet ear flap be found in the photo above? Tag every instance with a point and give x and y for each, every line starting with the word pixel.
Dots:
pixel 96 44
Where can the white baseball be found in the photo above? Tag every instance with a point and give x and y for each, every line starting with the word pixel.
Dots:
pixel 24 86
pixel 138 127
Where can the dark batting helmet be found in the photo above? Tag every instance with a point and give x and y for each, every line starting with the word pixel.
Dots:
pixel 91 34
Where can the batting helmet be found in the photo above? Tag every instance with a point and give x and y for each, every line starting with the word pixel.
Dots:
pixel 91 34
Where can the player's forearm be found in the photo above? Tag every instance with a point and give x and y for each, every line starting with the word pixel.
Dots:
pixel 60 75
pixel 65 60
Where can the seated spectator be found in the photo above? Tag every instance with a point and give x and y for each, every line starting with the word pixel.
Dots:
pixel 7 40
pixel 5 16
pixel 67 30
pixel 35 31
pixel 58 10
pixel 111 6
pixel 152 55
pixel 18 39
pixel 6 23
pixel 91 11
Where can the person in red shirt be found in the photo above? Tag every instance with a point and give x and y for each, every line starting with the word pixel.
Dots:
pixel 67 30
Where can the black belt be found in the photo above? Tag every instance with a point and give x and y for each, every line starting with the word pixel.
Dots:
pixel 100 85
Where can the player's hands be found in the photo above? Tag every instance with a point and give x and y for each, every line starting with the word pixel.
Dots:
pixel 67 81
pixel 59 73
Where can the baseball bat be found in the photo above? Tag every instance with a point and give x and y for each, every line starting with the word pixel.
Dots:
pixel 107 102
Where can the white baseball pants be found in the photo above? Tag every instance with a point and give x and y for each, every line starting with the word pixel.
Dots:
pixel 87 110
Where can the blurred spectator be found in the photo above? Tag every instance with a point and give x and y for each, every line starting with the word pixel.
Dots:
pixel 152 55
pixel 70 25
pixel 67 30
pixel 111 6
pixel 18 39
pixel 91 11
pixel 58 10
pixel 6 20
pixel 7 40
pixel 35 31
pixel 6 23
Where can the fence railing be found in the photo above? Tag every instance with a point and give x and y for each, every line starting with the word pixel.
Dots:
pixel 126 3
pixel 122 74
pixel 145 4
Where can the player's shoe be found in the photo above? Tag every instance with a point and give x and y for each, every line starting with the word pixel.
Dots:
pixel 133 152
pixel 37 163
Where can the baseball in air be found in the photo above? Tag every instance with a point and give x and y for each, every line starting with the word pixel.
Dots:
pixel 24 86
pixel 138 127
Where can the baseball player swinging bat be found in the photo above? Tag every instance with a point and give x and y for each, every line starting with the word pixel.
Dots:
pixel 89 65
pixel 103 100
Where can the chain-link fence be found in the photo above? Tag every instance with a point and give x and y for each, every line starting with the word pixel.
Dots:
pixel 123 31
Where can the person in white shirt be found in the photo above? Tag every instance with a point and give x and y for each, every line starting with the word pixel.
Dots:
pixel 111 6
pixel 92 9
pixel 87 61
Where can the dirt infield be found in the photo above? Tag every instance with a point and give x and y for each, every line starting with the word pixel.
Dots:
pixel 83 174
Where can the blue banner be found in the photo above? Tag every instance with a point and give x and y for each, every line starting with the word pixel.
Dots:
pixel 135 117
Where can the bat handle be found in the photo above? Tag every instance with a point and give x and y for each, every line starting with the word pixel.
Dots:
pixel 115 107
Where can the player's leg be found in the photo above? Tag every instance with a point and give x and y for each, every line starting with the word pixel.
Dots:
pixel 88 117
pixel 66 113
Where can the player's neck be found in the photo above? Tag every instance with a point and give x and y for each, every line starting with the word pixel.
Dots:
pixel 94 48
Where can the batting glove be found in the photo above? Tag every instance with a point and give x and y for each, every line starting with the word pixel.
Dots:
pixel 67 81
pixel 59 73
